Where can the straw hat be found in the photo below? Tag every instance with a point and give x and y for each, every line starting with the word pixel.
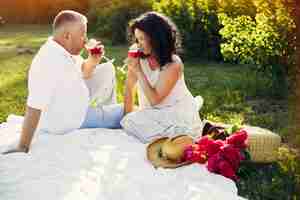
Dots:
pixel 168 152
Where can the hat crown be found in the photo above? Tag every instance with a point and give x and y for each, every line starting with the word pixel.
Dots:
pixel 171 151
pixel 173 148
pixel 168 152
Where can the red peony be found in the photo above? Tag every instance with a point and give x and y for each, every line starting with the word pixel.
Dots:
pixel 199 156
pixel 218 164
pixel 214 147
pixel 238 139
pixel 223 157
pixel 226 170
pixel 193 154
pixel 204 142
pixel 232 155
pixel 212 163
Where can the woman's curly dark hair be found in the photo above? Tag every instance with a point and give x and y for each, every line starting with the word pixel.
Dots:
pixel 163 33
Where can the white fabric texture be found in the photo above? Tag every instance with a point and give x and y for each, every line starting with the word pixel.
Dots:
pixel 98 164
pixel 55 84
pixel 176 114
pixel 102 83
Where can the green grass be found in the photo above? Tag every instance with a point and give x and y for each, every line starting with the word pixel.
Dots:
pixel 14 66
pixel 236 94
pixel 232 94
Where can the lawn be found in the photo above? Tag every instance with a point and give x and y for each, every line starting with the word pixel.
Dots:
pixel 232 93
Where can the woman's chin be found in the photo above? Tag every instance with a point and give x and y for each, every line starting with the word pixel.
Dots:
pixel 147 53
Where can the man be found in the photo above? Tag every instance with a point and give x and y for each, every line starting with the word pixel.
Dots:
pixel 58 99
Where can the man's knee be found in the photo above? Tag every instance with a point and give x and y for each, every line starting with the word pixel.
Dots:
pixel 113 114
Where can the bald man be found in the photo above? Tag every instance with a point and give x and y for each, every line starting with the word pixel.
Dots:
pixel 58 98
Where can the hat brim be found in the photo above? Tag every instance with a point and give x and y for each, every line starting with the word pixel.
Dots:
pixel 153 155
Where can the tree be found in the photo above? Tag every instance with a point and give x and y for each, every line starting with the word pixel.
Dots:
pixel 294 42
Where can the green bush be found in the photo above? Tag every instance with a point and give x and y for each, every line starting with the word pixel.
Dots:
pixel 257 42
pixel 198 23
pixel 249 41
pixel 261 36
pixel 234 8
pixel 110 18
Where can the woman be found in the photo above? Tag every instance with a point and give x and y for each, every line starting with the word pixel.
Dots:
pixel 165 103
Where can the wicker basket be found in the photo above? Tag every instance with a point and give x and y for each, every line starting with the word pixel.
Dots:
pixel 263 144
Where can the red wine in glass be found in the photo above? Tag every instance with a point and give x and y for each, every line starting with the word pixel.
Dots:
pixel 93 47
pixel 135 53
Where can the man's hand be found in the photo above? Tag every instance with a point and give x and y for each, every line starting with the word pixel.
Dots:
pixel 31 119
pixel 93 59
pixel 96 51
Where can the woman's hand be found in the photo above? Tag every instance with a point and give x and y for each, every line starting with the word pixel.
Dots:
pixel 166 82
pixel 133 65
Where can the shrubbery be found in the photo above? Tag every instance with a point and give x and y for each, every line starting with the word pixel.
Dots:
pixel 198 24
pixel 110 18
pixel 255 32
pixel 262 40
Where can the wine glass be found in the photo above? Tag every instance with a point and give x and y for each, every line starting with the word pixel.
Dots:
pixel 133 52
pixel 92 46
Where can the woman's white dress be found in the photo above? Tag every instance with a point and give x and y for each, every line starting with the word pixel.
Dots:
pixel 176 114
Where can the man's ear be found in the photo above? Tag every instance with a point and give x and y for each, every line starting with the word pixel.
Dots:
pixel 67 35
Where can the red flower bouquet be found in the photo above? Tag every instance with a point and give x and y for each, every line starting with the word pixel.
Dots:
pixel 238 139
pixel 222 156
pixel 226 162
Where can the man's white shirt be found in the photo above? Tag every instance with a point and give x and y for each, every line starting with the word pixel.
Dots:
pixel 56 87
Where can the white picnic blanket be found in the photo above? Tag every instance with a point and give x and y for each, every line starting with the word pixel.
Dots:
pixel 98 164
